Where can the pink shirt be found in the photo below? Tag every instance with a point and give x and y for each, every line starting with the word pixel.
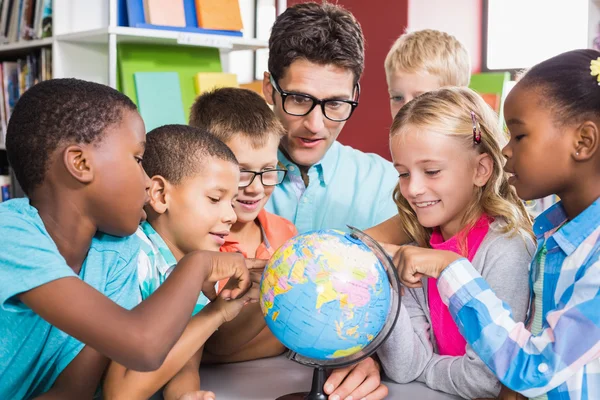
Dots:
pixel 449 340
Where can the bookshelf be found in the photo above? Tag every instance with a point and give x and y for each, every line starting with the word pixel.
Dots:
pixel 87 36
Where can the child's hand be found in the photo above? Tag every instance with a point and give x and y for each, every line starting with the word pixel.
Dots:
pixel 198 395
pixel 230 309
pixel 229 265
pixel 414 263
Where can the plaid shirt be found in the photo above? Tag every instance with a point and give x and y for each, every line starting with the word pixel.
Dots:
pixel 563 360
pixel 156 262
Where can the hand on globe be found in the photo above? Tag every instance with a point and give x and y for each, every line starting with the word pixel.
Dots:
pixel 414 263
pixel 230 308
pixel 198 395
pixel 358 381
pixel 228 265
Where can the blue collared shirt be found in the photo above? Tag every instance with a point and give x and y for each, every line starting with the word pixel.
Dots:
pixel 347 187
pixel 564 359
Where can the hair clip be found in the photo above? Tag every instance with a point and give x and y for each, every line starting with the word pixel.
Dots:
pixel 595 69
pixel 476 129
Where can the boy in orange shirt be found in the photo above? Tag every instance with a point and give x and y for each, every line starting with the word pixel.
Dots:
pixel 244 122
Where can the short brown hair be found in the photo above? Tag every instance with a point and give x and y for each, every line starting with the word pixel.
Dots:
pixel 226 112
pixel 177 152
pixel 437 53
pixel 320 33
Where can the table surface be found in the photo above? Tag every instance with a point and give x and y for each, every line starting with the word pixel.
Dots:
pixel 270 378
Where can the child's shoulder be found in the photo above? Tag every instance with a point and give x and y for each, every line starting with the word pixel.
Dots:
pixel 276 226
pixel 500 243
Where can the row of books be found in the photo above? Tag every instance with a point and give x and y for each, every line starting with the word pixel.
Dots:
pixel 25 20
pixel 220 17
pixel 18 76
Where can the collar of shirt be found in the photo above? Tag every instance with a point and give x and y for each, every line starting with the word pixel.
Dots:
pixel 264 250
pixel 160 246
pixel 572 233
pixel 324 168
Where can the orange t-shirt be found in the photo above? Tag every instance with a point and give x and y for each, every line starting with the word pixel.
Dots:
pixel 276 231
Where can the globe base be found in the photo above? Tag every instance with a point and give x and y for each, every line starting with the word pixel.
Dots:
pixel 316 391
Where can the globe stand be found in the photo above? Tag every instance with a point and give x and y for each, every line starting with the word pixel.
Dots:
pixel 316 391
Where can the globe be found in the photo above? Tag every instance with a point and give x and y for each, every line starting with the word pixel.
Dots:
pixel 330 297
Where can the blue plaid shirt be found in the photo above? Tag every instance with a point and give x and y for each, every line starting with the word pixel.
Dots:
pixel 564 359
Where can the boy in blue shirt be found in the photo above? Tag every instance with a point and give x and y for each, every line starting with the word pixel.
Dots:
pixel 76 148
pixel 194 181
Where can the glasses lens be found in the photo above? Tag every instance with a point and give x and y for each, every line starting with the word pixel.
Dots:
pixel 246 178
pixel 337 110
pixel 297 105
pixel 272 177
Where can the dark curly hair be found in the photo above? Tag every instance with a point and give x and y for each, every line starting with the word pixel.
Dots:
pixel 566 85
pixel 56 112
pixel 176 152
pixel 320 33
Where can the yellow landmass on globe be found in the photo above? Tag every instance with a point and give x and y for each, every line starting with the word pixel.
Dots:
pixel 352 331
pixel 297 274
pixel 275 315
pixel 347 352
pixel 370 337
pixel 359 274
pixel 326 293
pixel 338 328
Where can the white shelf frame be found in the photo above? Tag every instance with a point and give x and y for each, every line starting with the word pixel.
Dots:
pixel 86 37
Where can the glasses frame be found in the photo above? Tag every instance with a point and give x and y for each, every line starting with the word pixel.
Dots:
pixel 285 171
pixel 322 102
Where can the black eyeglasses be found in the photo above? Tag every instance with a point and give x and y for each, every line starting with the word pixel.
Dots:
pixel 268 177
pixel 301 104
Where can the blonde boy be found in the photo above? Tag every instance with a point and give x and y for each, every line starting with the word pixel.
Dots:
pixel 245 123
pixel 422 61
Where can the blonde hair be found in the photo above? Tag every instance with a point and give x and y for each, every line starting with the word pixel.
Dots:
pixel 447 111
pixel 437 53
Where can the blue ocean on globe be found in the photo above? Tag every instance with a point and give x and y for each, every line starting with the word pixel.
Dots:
pixel 325 295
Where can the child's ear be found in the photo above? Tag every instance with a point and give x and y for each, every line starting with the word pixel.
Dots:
pixel 77 162
pixel 483 169
pixel 158 194
pixel 268 88
pixel 586 141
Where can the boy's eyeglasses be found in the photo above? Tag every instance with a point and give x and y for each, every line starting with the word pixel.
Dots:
pixel 268 177
pixel 301 104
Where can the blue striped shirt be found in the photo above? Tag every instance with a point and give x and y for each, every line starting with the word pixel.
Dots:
pixel 564 359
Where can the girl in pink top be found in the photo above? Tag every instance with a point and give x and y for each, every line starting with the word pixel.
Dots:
pixel 454 195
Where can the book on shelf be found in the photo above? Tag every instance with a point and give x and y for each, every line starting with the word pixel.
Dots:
pixel 219 14
pixel 206 81
pixel 133 14
pixel 164 12
pixel 25 20
pixel 18 76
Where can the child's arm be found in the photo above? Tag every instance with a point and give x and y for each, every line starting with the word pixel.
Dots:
pixel 232 336
pixel 122 383
pixel 390 231
pixel 531 365
pixel 142 337
pixel 187 380
pixel 408 354
pixel 262 345
pixel 79 380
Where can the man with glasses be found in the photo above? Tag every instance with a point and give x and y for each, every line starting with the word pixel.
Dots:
pixel 316 57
